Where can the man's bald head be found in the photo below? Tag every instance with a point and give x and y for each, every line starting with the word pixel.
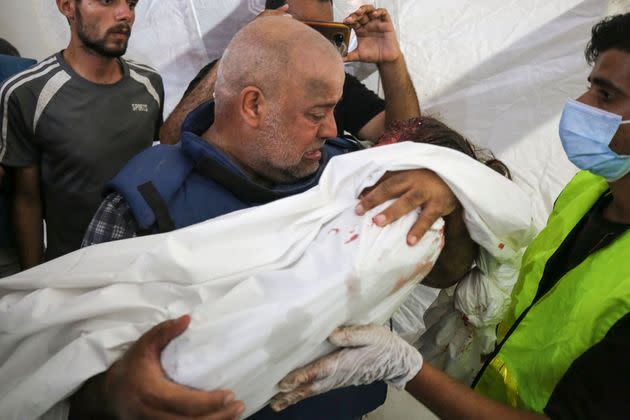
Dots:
pixel 277 86
pixel 274 54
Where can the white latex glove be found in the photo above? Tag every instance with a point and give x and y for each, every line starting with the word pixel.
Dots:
pixel 372 353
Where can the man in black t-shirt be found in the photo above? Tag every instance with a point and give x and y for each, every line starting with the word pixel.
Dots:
pixel 360 112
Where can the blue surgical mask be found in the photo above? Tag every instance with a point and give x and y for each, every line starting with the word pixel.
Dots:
pixel 586 133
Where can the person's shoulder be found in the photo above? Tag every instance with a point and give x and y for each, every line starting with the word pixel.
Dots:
pixel 143 69
pixel 151 176
pixel 154 164
pixel 157 153
pixel 24 75
pixel 25 85
pixel 150 163
pixel 148 77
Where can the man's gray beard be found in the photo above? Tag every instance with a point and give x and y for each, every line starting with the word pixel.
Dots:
pixel 274 136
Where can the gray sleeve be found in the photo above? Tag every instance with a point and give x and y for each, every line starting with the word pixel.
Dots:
pixel 153 82
pixel 159 86
pixel 18 147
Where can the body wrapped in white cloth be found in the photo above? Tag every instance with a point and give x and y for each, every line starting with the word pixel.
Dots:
pixel 264 286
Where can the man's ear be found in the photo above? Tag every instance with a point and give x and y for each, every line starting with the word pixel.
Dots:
pixel 252 106
pixel 66 7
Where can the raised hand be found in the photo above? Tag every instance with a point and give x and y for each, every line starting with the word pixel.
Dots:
pixel 376 36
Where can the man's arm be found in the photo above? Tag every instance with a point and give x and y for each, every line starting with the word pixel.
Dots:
pixel 371 353
pixel 377 43
pixel 202 92
pixel 21 153
pixel 449 399
pixel 401 99
pixel 27 216
pixel 112 221
pixel 135 387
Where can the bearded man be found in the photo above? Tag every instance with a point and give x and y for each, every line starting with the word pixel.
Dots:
pixel 69 123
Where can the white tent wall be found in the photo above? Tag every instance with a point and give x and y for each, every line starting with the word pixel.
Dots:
pixel 499 71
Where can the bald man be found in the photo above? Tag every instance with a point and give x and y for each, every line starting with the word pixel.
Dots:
pixel 361 112
pixel 265 137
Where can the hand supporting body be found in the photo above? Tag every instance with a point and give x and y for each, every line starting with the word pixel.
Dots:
pixel 422 188
pixel 370 353
pixel 135 387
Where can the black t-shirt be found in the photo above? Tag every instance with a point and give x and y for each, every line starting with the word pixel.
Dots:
pixel 596 384
pixel 356 108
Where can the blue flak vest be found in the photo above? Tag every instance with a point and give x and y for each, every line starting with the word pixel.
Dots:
pixel 173 186
pixel 9 66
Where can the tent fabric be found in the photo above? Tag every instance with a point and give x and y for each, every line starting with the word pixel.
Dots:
pixel 272 281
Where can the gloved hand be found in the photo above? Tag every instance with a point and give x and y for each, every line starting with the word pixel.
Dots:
pixel 371 353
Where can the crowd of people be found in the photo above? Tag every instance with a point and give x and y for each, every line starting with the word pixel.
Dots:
pixel 77 168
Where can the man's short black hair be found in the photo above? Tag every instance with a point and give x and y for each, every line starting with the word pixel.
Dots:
pixel 7 48
pixel 612 32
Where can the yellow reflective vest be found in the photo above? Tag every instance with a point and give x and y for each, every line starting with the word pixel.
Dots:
pixel 538 341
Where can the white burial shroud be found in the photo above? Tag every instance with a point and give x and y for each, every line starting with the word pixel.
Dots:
pixel 265 286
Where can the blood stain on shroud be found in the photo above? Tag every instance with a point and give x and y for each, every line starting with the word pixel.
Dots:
pixel 421 270
pixel 353 238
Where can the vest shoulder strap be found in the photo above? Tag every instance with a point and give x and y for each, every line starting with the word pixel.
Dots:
pixel 149 181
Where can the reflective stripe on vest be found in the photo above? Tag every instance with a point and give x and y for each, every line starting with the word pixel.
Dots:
pixel 541 341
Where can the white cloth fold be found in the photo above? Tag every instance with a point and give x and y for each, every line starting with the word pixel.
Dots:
pixel 265 286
